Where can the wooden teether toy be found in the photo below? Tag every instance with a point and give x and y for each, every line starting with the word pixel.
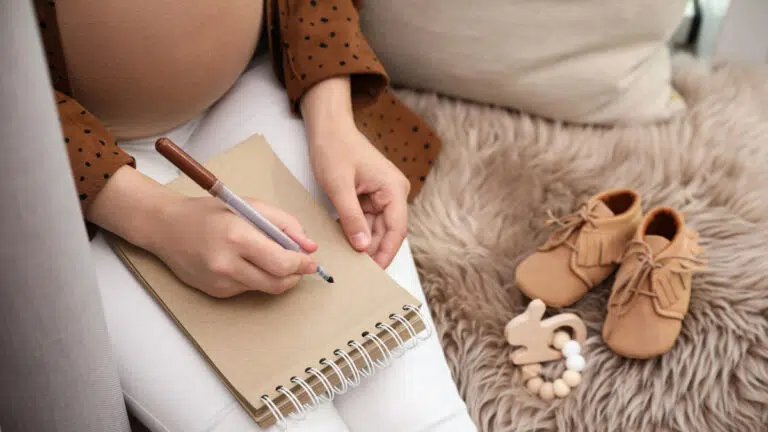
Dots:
pixel 535 335
pixel 545 340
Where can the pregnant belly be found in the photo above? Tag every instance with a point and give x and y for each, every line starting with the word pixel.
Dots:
pixel 145 66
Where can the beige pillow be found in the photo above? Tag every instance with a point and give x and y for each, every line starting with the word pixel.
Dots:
pixel 583 61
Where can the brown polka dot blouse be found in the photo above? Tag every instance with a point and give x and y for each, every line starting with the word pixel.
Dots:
pixel 309 41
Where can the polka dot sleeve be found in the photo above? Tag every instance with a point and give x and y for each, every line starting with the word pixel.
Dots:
pixel 93 152
pixel 313 40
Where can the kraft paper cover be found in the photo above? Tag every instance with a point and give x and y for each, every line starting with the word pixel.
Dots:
pixel 257 341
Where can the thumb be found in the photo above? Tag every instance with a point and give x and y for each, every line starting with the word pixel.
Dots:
pixel 344 198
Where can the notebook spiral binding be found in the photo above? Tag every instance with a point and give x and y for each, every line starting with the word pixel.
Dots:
pixel 358 373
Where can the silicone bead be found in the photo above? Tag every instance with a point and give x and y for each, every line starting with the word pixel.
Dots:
pixel 547 392
pixel 560 388
pixel 572 378
pixel 575 363
pixel 534 385
pixel 571 348
pixel 559 339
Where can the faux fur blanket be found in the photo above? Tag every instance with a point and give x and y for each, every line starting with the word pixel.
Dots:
pixel 483 210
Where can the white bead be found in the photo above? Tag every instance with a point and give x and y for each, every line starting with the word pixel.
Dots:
pixel 572 378
pixel 559 339
pixel 561 388
pixel 571 348
pixel 575 363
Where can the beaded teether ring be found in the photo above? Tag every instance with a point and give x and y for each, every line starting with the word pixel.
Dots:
pixel 542 340
pixel 571 377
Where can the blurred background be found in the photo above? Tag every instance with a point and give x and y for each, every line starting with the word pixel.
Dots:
pixel 721 30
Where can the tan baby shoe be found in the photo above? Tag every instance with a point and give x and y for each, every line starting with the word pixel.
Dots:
pixel 653 286
pixel 583 251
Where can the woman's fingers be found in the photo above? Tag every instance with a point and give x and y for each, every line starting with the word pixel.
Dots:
pixel 395 217
pixel 377 234
pixel 256 279
pixel 237 276
pixel 279 262
pixel 366 203
pixel 370 218
pixel 341 191
pixel 288 223
pixel 263 252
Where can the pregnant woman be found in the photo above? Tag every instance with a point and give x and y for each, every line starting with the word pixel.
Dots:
pixel 208 74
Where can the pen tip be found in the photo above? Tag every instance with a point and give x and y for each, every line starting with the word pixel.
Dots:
pixel 328 278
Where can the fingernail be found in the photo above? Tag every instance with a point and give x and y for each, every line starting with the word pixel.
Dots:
pixel 360 240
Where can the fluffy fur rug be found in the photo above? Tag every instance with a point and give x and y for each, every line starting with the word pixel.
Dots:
pixel 483 210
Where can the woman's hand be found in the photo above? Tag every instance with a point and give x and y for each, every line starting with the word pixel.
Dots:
pixel 217 251
pixel 369 192
pixel 200 239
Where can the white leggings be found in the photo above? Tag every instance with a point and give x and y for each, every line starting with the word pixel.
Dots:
pixel 168 385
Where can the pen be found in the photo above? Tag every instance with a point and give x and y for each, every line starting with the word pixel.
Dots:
pixel 205 179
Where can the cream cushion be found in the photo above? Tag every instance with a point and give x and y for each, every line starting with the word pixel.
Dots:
pixel 586 61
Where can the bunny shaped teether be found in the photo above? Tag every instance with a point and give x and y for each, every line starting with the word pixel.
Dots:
pixel 545 340
pixel 534 335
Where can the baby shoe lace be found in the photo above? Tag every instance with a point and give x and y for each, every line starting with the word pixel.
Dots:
pixel 568 225
pixel 656 271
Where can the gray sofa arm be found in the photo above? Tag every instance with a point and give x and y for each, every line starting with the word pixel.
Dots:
pixel 57 370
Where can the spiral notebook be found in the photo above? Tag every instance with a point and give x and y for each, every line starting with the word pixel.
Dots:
pixel 282 355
